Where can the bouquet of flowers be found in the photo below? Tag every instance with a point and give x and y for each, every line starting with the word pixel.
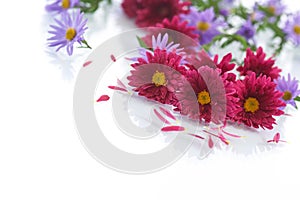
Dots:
pixel 178 68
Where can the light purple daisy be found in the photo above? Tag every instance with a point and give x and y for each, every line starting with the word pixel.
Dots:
pixel 206 23
pixel 257 15
pixel 289 87
pixel 292 29
pixel 247 30
pixel 61 5
pixel 225 7
pixel 275 7
pixel 68 30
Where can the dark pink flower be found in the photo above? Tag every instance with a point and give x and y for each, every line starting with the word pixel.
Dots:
pixel 177 25
pixel 155 11
pixel 131 7
pixel 226 66
pixel 158 76
pixel 205 97
pixel 258 64
pixel 259 101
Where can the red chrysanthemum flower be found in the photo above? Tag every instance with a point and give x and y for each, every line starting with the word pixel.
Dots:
pixel 155 11
pixel 226 66
pixel 205 97
pixel 258 64
pixel 259 101
pixel 158 76
pixel 131 7
pixel 180 26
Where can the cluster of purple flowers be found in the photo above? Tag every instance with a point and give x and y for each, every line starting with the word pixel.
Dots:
pixel 69 26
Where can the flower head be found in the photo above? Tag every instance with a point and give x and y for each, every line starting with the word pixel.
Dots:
pixel 177 25
pixel 158 76
pixel 247 30
pixel 61 5
pixel 292 29
pixel 226 67
pixel 68 30
pixel 205 22
pixel 204 97
pixel 259 64
pixel 275 7
pixel 131 7
pixel 259 101
pixel 289 88
pixel 155 11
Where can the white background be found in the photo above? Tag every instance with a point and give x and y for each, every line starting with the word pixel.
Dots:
pixel 41 156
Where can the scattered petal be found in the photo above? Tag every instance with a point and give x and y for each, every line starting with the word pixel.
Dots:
pixel 196 136
pixel 87 63
pixel 113 58
pixel 276 137
pixel 232 135
pixel 120 83
pixel 161 117
pixel 117 88
pixel 210 142
pixel 103 98
pixel 167 113
pixel 172 128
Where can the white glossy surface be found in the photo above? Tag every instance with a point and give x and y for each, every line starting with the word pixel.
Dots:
pixel 41 154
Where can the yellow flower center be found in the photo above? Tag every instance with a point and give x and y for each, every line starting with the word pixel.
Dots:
pixel 203 98
pixel 287 96
pixel 70 34
pixel 159 79
pixel 297 29
pixel 251 105
pixel 203 26
pixel 272 10
pixel 65 4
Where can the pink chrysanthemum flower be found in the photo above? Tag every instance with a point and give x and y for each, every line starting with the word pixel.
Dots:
pixel 258 64
pixel 155 11
pixel 259 101
pixel 208 100
pixel 131 7
pixel 226 66
pixel 177 25
pixel 157 77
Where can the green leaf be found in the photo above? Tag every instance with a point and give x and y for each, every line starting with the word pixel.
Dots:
pixel 142 43
pixel 297 98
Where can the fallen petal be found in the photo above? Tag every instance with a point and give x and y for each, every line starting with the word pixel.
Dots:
pixel 210 142
pixel 161 117
pixel 87 63
pixel 196 136
pixel 103 98
pixel 167 113
pixel 173 128
pixel 276 137
pixel 113 58
pixel 117 88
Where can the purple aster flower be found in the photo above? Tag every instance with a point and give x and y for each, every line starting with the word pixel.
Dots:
pixel 257 15
pixel 289 88
pixel 61 5
pixel 292 29
pixel 247 30
pixel 162 44
pixel 68 30
pixel 205 22
pixel 275 7
pixel 225 7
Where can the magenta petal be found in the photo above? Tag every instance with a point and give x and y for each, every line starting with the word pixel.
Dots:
pixel 161 117
pixel 103 98
pixel 172 128
pixel 87 63
pixel 167 113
